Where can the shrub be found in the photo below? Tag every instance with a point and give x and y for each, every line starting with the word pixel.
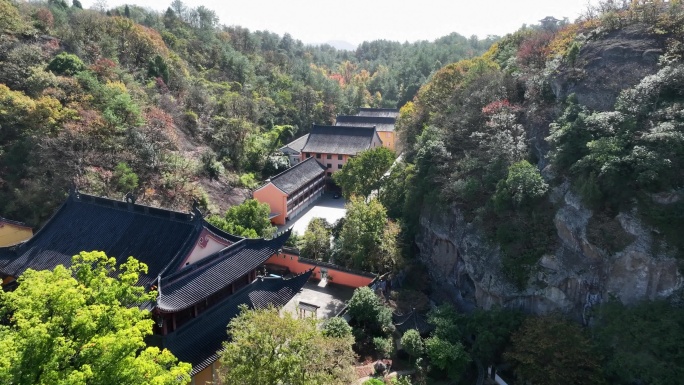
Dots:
pixel 384 346
pixel 126 180
pixel 446 356
pixel 365 308
pixel 337 327
pixel 66 64
pixel 412 343
pixel 248 180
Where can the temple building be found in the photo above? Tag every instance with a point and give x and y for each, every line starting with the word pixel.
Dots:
pixel 293 150
pixel 13 232
pixel 383 119
pixel 201 273
pixel 333 146
pixel 293 190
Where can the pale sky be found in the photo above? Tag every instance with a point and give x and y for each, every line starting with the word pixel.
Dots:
pixel 355 21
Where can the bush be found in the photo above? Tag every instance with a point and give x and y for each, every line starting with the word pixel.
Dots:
pixel 66 64
pixel 248 180
pixel 337 327
pixel 384 346
pixel 366 309
pixel 373 381
pixel 126 180
pixel 446 356
pixel 211 165
pixel 412 343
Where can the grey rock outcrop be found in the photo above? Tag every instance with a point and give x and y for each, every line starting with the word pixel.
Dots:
pixel 608 64
pixel 467 267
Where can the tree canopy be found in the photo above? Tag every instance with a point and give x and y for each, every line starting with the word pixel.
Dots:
pixel 267 348
pixel 548 350
pixel 315 244
pixel 363 173
pixel 367 239
pixel 248 219
pixel 81 325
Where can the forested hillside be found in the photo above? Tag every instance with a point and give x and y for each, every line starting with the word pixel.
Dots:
pixel 173 106
pixel 546 175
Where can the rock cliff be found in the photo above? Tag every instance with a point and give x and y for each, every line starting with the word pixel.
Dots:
pixel 579 274
pixel 583 270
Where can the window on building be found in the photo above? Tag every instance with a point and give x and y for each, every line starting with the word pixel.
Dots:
pixel 329 173
pixel 339 157
pixel 318 156
pixel 308 155
pixel 329 156
pixel 339 166
pixel 329 165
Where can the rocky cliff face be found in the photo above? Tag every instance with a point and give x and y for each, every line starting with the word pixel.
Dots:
pixel 466 267
pixel 579 274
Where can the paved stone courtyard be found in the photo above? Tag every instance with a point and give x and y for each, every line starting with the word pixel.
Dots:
pixel 330 299
pixel 326 207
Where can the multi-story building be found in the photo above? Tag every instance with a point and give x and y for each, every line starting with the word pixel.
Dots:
pixel 293 150
pixel 291 191
pixel 201 274
pixel 333 146
pixel 383 125
pixel 383 119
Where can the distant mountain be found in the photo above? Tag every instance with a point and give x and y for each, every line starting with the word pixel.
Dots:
pixel 341 45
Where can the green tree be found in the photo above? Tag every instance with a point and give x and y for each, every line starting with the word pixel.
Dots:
pixel 363 173
pixel 394 188
pixel 524 185
pixel 413 343
pixel 266 348
pixel 548 350
pixel 447 356
pixel 126 179
pixel 492 330
pixel 337 327
pixel 361 243
pixel 641 343
pixel 66 64
pixel 366 309
pixel 77 326
pixel 316 241
pixel 249 219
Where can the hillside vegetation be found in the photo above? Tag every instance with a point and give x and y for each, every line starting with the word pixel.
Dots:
pixel 480 131
pixel 586 117
pixel 173 106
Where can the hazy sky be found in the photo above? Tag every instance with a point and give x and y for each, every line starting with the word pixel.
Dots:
pixel 316 21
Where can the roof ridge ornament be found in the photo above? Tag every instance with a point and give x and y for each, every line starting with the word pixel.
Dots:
pixel 196 209
pixel 130 198
pixel 73 190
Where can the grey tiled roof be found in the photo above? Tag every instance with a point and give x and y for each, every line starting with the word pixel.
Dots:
pixel 154 236
pixel 200 340
pixel 200 280
pixel 386 112
pixel 157 237
pixel 296 144
pixel 411 320
pixel 298 175
pixel 339 140
pixel 380 123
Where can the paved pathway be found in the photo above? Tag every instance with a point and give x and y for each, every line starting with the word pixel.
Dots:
pixel 324 207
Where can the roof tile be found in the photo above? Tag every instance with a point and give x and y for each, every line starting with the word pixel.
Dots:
pixel 298 175
pixel 339 140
